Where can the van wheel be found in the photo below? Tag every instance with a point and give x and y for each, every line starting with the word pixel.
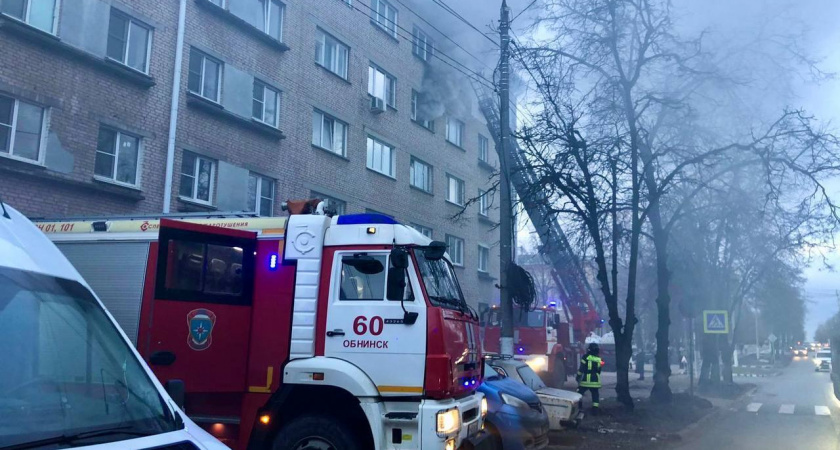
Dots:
pixel 315 433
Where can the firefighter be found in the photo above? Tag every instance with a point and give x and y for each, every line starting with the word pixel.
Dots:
pixel 589 375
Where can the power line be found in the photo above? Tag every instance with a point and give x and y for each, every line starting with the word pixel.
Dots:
pixel 449 9
pixel 520 12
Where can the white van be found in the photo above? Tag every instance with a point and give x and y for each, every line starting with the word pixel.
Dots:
pixel 68 375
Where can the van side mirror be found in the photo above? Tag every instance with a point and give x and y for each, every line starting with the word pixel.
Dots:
pixel 399 258
pixel 396 284
pixel 435 250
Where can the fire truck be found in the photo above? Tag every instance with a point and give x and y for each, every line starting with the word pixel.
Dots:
pixel 344 332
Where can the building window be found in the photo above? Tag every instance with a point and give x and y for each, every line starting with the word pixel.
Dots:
pixel 422 45
pixel 329 133
pixel 198 176
pixel 117 156
pixel 382 86
pixel 455 247
pixel 333 205
pixel 454 131
pixel 420 175
pixel 425 231
pixel 266 104
pixel 205 78
pixel 21 129
pixel 38 13
pixel 483 202
pixel 260 195
pixel 385 16
pixel 380 157
pixel 417 115
pixel 220 3
pixel 331 53
pixel 129 41
pixel 455 190
pixel 483 258
pixel 483 148
pixel 272 11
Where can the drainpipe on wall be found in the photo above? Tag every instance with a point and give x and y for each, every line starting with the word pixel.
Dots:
pixel 173 109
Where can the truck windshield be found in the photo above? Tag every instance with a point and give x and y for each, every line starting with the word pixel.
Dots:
pixel 68 377
pixel 440 281
pixel 531 319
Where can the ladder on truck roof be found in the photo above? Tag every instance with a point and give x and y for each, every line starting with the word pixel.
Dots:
pixel 566 268
pixel 151 223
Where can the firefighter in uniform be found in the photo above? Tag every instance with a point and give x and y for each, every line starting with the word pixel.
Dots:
pixel 589 375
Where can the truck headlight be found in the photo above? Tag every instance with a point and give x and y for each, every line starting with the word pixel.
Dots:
pixel 448 422
pixel 484 408
pixel 538 363
pixel 513 401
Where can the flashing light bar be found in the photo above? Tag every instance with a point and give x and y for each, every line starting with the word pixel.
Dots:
pixel 273 261
pixel 365 219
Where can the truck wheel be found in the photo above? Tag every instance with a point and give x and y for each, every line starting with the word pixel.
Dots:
pixel 315 433
pixel 559 374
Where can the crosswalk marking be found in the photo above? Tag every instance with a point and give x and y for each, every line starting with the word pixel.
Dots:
pixel 786 409
pixel 822 411
pixel 753 407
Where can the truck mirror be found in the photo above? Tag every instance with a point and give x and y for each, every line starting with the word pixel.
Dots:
pixel 396 284
pixel 399 258
pixel 434 251
pixel 364 263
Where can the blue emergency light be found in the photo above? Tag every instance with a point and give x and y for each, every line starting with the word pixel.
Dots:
pixel 272 261
pixel 365 219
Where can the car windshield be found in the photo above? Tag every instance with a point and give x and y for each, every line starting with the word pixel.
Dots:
pixel 530 378
pixel 67 371
pixel 440 280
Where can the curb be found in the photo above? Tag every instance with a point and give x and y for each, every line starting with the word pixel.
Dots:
pixel 756 375
pixel 708 417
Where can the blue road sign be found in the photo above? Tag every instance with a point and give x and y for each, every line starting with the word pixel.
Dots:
pixel 716 321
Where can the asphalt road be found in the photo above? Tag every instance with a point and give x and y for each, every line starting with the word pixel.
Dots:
pixel 795 410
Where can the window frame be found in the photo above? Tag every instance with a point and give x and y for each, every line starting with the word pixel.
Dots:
pixel 462 186
pixel 483 204
pixel 266 6
pixel 427 124
pixel 461 128
pixel 131 19
pixel 334 119
pixel 392 29
pixel 196 165
pixel 428 45
pixel 390 85
pixel 486 268
pixel 267 87
pixel 323 37
pixel 256 207
pixel 421 229
pixel 117 141
pixel 220 75
pixel 483 150
pixel 369 157
pixel 45 118
pixel 430 176
pixel 333 200
pixel 451 254
pixel 28 13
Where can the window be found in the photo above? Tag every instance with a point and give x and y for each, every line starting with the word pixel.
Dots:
pixel 205 76
pixel 128 41
pixel 380 157
pixel 272 11
pixel 117 156
pixel 422 46
pixel 454 131
pixel 483 148
pixel 331 53
pixel 425 231
pixel 21 129
pixel 385 16
pixel 329 133
pixel 362 277
pixel 382 86
pixel 483 258
pixel 420 175
pixel 483 202
pixel 38 13
pixel 260 195
pixel 336 206
pixel 266 104
pixel 455 190
pixel 220 3
pixel 417 113
pixel 198 176
pixel 455 247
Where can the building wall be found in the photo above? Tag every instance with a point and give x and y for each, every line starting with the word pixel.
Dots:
pixel 82 92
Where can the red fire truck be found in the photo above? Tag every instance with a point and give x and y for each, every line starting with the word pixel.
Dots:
pixel 345 332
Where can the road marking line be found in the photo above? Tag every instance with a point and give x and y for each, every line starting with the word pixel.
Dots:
pixel 753 407
pixel 786 409
pixel 822 411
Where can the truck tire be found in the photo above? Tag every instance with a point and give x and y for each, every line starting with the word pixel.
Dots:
pixel 315 433
pixel 558 377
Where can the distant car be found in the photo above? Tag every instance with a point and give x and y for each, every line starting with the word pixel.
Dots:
pixel 800 350
pixel 823 360
pixel 515 416
pixel 563 407
pixel 824 366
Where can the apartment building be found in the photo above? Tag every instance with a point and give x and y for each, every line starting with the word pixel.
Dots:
pixel 341 99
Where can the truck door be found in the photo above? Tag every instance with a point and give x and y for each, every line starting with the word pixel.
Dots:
pixel 367 330
pixel 198 319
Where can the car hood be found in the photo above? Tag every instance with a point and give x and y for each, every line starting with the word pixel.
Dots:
pixel 510 387
pixel 550 395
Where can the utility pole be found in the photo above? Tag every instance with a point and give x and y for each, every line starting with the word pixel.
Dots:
pixel 505 214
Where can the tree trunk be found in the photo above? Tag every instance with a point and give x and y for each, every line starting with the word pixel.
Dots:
pixel 661 392
pixel 707 354
pixel 726 357
pixel 623 351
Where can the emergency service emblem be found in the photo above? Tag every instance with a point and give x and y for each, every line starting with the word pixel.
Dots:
pixel 200 322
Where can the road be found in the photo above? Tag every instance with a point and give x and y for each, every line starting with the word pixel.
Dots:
pixel 795 410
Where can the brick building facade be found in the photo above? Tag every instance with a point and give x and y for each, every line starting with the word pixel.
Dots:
pixel 275 101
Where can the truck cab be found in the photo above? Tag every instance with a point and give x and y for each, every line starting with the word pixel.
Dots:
pixel 70 377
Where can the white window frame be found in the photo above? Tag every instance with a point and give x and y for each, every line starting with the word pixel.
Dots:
pixel 483 204
pixel 483 151
pixel 332 200
pixel 450 125
pixel 117 141
pixel 462 186
pixel 335 120
pixel 422 45
pixel 266 4
pixel 382 21
pixel 429 179
pixel 139 23
pixel 322 37
pixel 370 160
pixel 450 239
pixel 204 58
pixel 257 200
pixel 45 117
pixel 425 231
pixel 212 191
pixel 390 95
pixel 427 124
pixel 28 12
pixel 483 262
pixel 266 89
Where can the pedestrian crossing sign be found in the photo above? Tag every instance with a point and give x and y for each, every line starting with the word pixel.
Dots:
pixel 716 321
